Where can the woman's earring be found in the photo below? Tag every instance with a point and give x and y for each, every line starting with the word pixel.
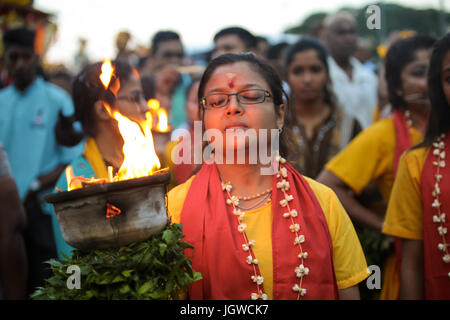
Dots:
pixel 280 130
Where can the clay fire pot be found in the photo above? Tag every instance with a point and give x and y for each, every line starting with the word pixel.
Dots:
pixel 82 218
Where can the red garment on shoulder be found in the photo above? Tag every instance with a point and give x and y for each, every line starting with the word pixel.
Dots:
pixel 211 227
pixel 183 171
pixel 437 280
pixel 403 140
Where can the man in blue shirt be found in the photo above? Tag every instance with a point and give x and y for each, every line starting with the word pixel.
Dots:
pixel 161 78
pixel 29 110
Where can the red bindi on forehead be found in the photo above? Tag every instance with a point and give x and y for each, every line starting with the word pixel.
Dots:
pixel 231 76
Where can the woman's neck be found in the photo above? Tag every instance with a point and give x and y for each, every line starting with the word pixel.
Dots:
pixel 309 108
pixel 246 179
pixel 311 113
pixel 110 144
pixel 419 117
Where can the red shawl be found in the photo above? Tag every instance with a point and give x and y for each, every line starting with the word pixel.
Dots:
pixel 403 142
pixel 437 279
pixel 211 227
pixel 403 139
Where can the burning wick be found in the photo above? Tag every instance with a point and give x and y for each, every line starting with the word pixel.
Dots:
pixel 110 174
pixel 69 176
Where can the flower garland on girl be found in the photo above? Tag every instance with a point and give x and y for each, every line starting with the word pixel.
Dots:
pixel 440 217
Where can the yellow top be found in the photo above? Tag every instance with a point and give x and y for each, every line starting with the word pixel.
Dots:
pixel 370 156
pixel 348 258
pixel 93 156
pixel 404 217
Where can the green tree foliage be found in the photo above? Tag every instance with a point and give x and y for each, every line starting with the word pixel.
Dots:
pixel 393 18
pixel 311 22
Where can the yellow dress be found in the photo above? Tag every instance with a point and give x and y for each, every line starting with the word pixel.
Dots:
pixel 369 157
pixel 348 258
pixel 404 217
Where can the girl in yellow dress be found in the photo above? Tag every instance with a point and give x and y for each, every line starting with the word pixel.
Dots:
pixel 373 155
pixel 419 204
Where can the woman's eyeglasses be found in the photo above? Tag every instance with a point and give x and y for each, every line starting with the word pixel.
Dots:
pixel 247 96
pixel 136 97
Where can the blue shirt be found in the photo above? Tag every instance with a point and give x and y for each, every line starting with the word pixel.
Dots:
pixel 178 113
pixel 27 131
pixel 81 168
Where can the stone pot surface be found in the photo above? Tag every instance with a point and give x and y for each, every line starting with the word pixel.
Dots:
pixel 81 213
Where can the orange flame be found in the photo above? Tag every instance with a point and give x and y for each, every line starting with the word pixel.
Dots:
pixel 153 104
pixel 161 114
pixel 139 150
pixel 136 74
pixel 74 182
pixel 163 122
pixel 140 157
pixel 107 73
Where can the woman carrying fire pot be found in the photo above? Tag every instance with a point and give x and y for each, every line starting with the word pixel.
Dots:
pixel 255 235
pixel 103 139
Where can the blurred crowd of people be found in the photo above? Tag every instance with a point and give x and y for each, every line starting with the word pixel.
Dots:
pixel 351 114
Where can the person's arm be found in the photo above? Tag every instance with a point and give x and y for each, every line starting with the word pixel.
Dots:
pixel 356 211
pixel 351 293
pixel 49 180
pixel 412 281
pixel 13 261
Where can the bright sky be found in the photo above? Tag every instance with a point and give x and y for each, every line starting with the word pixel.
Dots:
pixel 195 20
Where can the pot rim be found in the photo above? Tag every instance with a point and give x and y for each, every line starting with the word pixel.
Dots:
pixel 153 180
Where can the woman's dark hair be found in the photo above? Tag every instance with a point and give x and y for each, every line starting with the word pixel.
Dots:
pixel 398 56
pixel 306 44
pixel 279 96
pixel 439 120
pixel 87 89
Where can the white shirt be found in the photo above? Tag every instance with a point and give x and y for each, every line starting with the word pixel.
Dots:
pixel 358 96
